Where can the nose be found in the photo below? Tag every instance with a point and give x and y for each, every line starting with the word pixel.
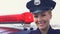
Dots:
pixel 39 18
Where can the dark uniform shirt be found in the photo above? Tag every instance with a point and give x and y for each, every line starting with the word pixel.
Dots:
pixel 50 31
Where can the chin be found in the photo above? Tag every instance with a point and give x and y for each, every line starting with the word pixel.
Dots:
pixel 42 27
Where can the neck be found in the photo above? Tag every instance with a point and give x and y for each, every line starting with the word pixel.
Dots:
pixel 44 31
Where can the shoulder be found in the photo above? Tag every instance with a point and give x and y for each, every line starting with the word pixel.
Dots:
pixel 53 31
pixel 56 31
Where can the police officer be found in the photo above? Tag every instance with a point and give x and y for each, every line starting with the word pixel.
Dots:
pixel 42 12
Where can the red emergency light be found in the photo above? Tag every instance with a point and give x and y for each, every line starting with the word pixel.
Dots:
pixel 26 17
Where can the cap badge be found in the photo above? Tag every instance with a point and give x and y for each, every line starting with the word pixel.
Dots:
pixel 37 2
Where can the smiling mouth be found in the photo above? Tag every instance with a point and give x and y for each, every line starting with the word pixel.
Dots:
pixel 41 22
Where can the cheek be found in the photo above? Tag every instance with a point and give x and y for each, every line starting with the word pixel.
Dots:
pixel 35 19
pixel 48 17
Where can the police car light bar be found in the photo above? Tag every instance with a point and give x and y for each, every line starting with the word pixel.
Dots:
pixel 26 17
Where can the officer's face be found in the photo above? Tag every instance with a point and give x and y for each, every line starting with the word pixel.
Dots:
pixel 42 19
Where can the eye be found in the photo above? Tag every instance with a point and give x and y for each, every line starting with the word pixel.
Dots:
pixel 35 16
pixel 43 15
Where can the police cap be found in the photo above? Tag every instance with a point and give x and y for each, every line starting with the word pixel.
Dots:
pixel 36 6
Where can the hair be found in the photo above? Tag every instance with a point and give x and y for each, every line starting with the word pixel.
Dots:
pixel 50 11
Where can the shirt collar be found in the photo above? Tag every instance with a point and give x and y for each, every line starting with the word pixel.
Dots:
pixel 49 31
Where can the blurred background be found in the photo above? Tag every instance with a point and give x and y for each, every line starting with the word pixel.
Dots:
pixel 10 7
